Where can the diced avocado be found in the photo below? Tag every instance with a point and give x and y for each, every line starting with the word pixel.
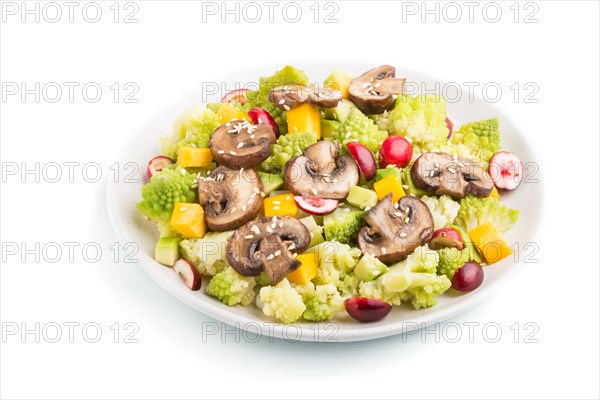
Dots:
pixel 329 127
pixel 408 185
pixel 385 172
pixel 468 243
pixel 369 268
pixel 339 80
pixel 315 230
pixel 361 197
pixel 279 193
pixel 270 182
pixel 166 251
pixel 340 113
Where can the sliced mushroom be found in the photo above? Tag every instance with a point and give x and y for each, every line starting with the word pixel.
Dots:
pixel 268 244
pixel 230 198
pixel 290 96
pixel 372 91
pixel 395 230
pixel 321 173
pixel 442 173
pixel 239 144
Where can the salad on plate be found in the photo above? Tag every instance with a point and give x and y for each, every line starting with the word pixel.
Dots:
pixel 312 200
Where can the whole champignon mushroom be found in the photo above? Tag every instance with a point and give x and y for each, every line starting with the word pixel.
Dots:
pixel 268 244
pixel 240 144
pixel 372 91
pixel 230 198
pixel 442 173
pixel 290 96
pixel 395 230
pixel 319 172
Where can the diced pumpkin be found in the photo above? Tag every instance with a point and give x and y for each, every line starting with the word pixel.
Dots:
pixel 490 243
pixel 307 271
pixel 188 219
pixel 387 185
pixel 194 157
pixel 277 206
pixel 227 113
pixel 306 119
pixel 495 194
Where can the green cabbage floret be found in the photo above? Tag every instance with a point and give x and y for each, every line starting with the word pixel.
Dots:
pixel 443 209
pixel 477 141
pixel 288 75
pixel 193 128
pixel 475 211
pixel 172 184
pixel 282 302
pixel 452 259
pixel 208 253
pixel 287 146
pixel 336 266
pixel 322 301
pixel 342 225
pixel 232 288
pixel 414 279
pixel 422 119
pixel 359 127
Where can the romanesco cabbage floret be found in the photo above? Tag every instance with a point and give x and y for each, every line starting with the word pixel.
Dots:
pixel 321 301
pixel 287 146
pixel 208 253
pixel 282 302
pixel 359 127
pixel 452 259
pixel 232 288
pixel 336 266
pixel 171 185
pixel 288 75
pixel 443 209
pixel 193 128
pixel 422 119
pixel 414 279
pixel 475 211
pixel 342 225
pixel 477 141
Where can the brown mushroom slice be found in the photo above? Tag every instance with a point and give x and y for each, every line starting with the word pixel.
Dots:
pixel 230 198
pixel 395 230
pixel 319 172
pixel 290 96
pixel 240 144
pixel 268 244
pixel 372 91
pixel 442 173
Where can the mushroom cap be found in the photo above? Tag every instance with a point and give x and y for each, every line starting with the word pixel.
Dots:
pixel 240 144
pixel 290 96
pixel 395 230
pixel 268 244
pixel 442 173
pixel 372 91
pixel 319 172
pixel 230 198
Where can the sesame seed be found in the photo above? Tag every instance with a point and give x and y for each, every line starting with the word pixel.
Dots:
pixel 248 236
pixel 315 192
pixel 233 153
pixel 277 253
pixel 252 136
pixel 396 206
pixel 367 208
pixel 262 194
pixel 348 135
pixel 276 202
pixel 281 224
pixel 228 124
pixel 384 250
pixel 403 234
pixel 244 208
pixel 405 187
pixel 269 229
pixel 282 101
pixel 275 208
pixel 292 246
pixel 255 190
pixel 407 219
pixel 452 170
pixel 270 257
pixel 255 229
pixel 294 255
pixel 286 107
pixel 233 210
pixel 240 145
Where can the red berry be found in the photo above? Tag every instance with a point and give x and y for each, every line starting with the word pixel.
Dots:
pixel 468 277
pixel 395 150
pixel 365 309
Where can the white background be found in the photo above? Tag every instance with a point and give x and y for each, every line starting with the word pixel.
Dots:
pixel 170 50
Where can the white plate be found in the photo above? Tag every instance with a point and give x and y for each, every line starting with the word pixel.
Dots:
pixel 130 226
